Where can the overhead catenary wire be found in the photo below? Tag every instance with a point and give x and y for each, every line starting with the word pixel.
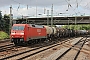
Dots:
pixel 18 7
pixel 86 6
pixel 78 2
pixel 27 6
pixel 74 8
pixel 70 6
pixel 79 5
pixel 20 4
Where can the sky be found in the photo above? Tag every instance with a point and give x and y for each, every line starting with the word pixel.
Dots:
pixel 39 7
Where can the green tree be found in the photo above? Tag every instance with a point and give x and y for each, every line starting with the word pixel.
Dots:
pixel 78 27
pixel 6 19
pixel 0 15
pixel 1 21
pixel 4 22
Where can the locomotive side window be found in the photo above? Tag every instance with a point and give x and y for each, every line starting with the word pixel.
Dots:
pixel 18 27
pixel 33 25
pixel 39 26
pixel 36 26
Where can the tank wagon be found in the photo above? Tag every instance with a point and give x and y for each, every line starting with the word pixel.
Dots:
pixel 88 32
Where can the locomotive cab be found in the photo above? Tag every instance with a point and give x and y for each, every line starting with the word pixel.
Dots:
pixel 17 33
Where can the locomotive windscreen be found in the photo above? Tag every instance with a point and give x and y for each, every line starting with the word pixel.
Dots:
pixel 18 28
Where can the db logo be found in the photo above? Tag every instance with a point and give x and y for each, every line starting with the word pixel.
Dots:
pixel 38 30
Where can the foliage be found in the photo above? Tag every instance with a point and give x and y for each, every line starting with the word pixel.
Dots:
pixel 0 15
pixel 6 21
pixel 4 25
pixel 3 35
pixel 1 22
pixel 77 27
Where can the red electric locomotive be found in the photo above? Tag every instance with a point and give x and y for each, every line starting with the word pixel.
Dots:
pixel 22 33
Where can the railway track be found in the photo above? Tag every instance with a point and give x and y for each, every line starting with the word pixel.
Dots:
pixel 3 41
pixel 6 47
pixel 74 50
pixel 31 52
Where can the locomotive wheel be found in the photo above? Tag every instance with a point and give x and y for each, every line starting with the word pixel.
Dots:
pixel 21 44
pixel 16 44
pixel 30 42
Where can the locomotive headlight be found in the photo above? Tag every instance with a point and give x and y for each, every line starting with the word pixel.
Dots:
pixel 21 33
pixel 22 36
pixel 21 39
pixel 12 36
pixel 13 33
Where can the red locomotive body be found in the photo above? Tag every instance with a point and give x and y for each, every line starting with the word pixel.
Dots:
pixel 21 33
